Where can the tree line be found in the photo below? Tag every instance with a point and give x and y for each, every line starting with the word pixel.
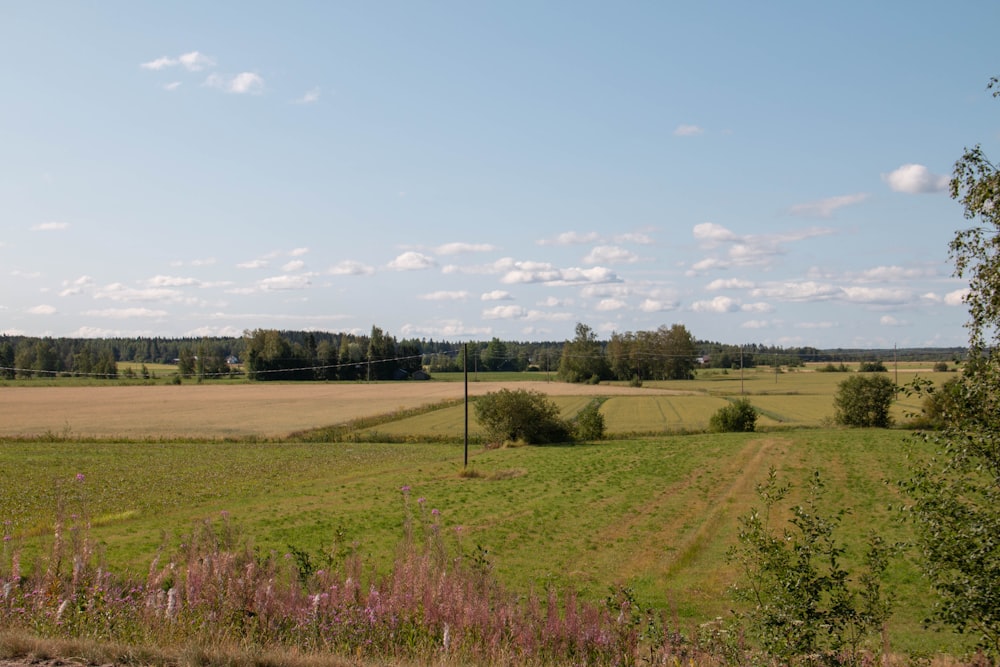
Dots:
pixel 665 353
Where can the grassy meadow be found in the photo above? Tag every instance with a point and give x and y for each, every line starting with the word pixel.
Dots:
pixel 654 508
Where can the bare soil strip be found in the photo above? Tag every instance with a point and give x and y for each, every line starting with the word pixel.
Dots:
pixel 221 411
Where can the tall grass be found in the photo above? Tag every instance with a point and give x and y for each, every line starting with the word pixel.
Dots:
pixel 216 590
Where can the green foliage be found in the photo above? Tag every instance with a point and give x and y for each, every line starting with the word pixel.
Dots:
pixel 956 493
pixel 736 417
pixel 520 415
pixel 830 368
pixel 801 598
pixel 871 367
pixel 583 358
pixel 589 422
pixel 864 401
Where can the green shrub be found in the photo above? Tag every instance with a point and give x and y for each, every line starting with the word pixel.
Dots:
pixel 800 598
pixel 589 422
pixel 738 416
pixel 871 367
pixel 864 400
pixel 520 415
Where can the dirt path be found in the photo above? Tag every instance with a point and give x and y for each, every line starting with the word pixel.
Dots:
pixel 215 411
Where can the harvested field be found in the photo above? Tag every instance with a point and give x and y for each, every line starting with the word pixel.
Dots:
pixel 253 409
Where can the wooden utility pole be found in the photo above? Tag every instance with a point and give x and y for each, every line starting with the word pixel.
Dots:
pixel 465 366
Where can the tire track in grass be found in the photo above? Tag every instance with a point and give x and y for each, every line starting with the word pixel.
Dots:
pixel 693 517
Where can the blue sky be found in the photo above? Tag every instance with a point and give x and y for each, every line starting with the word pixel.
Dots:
pixel 759 172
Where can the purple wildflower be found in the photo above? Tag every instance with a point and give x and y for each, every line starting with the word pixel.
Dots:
pixel 79 477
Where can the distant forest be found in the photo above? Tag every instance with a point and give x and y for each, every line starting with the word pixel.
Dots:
pixel 268 354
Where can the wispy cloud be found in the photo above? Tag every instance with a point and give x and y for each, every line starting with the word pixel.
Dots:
pixel 744 250
pixel 609 254
pixel 244 83
pixel 915 179
pixel 50 227
pixel 496 295
pixel 571 238
pixel 443 295
pixel 125 313
pixel 42 309
pixel 825 208
pixel 309 97
pixel 350 268
pixel 253 264
pixel 286 282
pixel 688 130
pixel 193 61
pixel 462 248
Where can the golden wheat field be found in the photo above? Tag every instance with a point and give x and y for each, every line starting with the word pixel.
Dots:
pixel 224 411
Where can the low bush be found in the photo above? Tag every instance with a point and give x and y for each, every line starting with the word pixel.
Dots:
pixel 520 415
pixel 739 416
pixel 589 422
pixel 864 401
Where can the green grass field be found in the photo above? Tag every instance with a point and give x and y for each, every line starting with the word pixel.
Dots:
pixel 655 513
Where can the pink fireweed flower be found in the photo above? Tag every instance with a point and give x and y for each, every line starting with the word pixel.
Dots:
pixel 80 477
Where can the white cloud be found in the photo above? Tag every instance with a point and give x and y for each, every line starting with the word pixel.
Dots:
pixel 815 325
pixel 534 272
pixel 890 321
pixel 172 86
pixel 877 295
pixel 282 283
pixel 607 254
pixel 496 295
pixel 443 295
pixel 125 313
pixel 310 96
pixel 43 309
pixel 915 179
pixel 193 61
pixel 460 248
pixel 755 324
pixel 571 238
pixel 120 292
pixel 657 305
pixel 634 237
pixel 956 298
pixel 895 273
pixel 350 268
pixel 26 274
pixel 445 329
pixel 240 84
pixel 798 291
pixel 688 131
pixel 298 252
pixel 294 265
pixel 50 227
pixel 713 234
pixel 758 307
pixel 505 313
pixel 720 304
pixel 171 281
pixel 411 261
pixel 605 305
pixel 825 208
pixel 743 251
pixel 253 264
pixel 730 283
